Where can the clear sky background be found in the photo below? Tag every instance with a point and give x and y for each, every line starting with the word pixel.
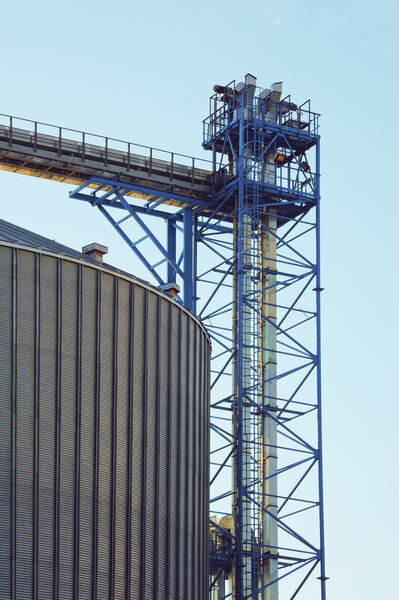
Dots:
pixel 143 71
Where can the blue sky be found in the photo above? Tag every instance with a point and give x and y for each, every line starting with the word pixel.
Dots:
pixel 144 72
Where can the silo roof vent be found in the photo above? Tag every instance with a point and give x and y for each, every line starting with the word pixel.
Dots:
pixel 172 289
pixel 95 251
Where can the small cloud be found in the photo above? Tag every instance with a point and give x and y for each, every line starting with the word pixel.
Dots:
pixel 276 13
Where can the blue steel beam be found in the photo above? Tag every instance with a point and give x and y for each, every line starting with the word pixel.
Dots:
pixel 189 282
pixel 318 290
pixel 127 188
pixel 171 245
pixel 117 204
pixel 152 237
pixel 132 245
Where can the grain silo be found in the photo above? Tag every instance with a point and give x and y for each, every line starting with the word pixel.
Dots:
pixel 104 408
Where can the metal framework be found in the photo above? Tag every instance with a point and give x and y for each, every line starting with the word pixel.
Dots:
pixel 242 243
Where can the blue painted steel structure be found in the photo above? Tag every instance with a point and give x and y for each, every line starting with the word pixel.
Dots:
pixel 266 166
pixel 268 160
pixel 246 256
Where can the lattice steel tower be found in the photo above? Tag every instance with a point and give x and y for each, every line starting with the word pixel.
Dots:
pixel 266 166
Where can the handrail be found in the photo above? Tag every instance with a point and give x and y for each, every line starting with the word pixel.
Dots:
pixel 108 142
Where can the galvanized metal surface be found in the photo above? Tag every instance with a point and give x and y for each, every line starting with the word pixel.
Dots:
pixel 103 435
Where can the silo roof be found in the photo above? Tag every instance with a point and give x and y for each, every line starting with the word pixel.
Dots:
pixel 18 235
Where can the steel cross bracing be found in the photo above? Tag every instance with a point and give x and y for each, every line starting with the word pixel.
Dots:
pixel 266 155
pixel 241 248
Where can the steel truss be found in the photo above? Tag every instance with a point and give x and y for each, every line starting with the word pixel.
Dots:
pixel 248 264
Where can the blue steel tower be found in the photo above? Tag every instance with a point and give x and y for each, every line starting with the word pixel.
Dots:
pixel 266 170
pixel 240 237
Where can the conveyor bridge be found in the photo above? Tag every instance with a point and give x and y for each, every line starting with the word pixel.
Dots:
pixel 70 156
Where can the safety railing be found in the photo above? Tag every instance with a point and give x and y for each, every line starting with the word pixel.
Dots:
pixel 293 176
pixel 63 141
pixel 262 111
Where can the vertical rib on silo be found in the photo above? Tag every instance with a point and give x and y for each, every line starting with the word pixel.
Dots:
pixel 67 430
pixel 7 403
pixel 26 286
pixel 46 418
pixel 89 444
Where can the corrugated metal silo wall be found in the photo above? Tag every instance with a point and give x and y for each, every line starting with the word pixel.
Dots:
pixel 104 436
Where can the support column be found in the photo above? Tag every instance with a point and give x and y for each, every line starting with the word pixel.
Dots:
pixel 268 345
pixel 269 527
pixel 171 245
pixel 189 294
pixel 220 587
